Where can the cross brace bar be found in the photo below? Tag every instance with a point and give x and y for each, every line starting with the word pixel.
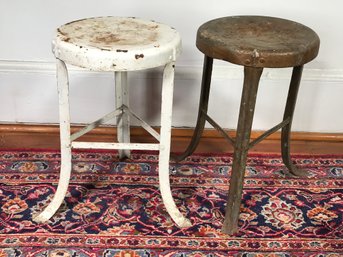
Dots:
pixel 111 115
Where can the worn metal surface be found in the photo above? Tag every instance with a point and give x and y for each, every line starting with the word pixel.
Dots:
pixel 246 113
pixel 288 115
pixel 116 43
pixel 65 141
pixel 165 138
pixel 202 110
pixel 254 42
pixel 258 41
pixel 123 120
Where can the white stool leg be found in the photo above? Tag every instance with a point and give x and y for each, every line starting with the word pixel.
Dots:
pixel 163 164
pixel 63 94
pixel 123 122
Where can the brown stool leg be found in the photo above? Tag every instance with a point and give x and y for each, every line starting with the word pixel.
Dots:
pixel 286 130
pixel 203 106
pixel 246 113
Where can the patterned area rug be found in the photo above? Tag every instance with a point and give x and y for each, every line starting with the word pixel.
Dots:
pixel 114 208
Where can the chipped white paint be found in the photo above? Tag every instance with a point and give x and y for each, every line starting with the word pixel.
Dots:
pixel 142 123
pixel 63 95
pixel 165 137
pixel 116 44
pixel 113 146
pixel 123 122
pixel 119 45
pixel 95 124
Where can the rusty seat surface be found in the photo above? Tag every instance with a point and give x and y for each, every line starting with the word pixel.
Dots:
pixel 116 43
pixel 258 41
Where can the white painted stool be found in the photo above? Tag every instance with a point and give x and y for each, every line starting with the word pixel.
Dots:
pixel 119 45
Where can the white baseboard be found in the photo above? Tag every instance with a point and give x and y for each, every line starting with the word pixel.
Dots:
pixel 184 72
pixel 28 94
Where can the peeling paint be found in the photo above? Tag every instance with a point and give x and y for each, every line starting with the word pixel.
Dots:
pixel 102 43
pixel 105 39
pixel 138 56
pixel 102 33
pixel 258 41
pixel 255 54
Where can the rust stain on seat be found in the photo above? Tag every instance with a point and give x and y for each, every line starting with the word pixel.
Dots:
pixel 138 56
pixel 116 43
pixel 258 41
pixel 106 38
pixel 108 34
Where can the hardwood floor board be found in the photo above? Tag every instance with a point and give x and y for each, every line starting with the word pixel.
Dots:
pixel 21 136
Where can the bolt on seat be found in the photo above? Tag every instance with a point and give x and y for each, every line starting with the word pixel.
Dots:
pixel 119 45
pixel 255 42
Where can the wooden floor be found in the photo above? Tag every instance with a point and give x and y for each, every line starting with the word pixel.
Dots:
pixel 40 137
pixel 267 146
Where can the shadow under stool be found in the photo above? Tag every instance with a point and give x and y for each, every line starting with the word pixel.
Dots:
pixel 118 45
pixel 255 42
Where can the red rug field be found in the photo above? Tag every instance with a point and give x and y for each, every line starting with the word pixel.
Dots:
pixel 114 208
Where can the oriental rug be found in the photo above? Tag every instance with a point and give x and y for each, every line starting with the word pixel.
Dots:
pixel 114 208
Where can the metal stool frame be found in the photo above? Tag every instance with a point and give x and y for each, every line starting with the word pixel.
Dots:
pixel 123 114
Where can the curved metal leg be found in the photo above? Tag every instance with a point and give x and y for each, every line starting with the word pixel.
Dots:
pixel 246 114
pixel 63 93
pixel 203 106
pixel 163 164
pixel 288 114
pixel 123 122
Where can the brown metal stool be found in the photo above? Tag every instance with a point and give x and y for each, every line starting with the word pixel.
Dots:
pixel 255 42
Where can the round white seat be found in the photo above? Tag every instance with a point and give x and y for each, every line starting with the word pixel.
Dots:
pixel 120 45
pixel 116 43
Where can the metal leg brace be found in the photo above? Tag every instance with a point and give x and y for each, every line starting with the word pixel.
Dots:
pixel 246 114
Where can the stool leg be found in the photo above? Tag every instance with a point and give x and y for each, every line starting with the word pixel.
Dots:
pixel 288 114
pixel 203 106
pixel 63 94
pixel 246 114
pixel 165 137
pixel 123 122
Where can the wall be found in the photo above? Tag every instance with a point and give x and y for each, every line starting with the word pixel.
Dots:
pixel 27 71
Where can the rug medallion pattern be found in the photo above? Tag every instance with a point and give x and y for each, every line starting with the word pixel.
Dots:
pixel 114 208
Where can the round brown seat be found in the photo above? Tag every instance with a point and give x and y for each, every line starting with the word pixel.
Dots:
pixel 255 42
pixel 258 41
